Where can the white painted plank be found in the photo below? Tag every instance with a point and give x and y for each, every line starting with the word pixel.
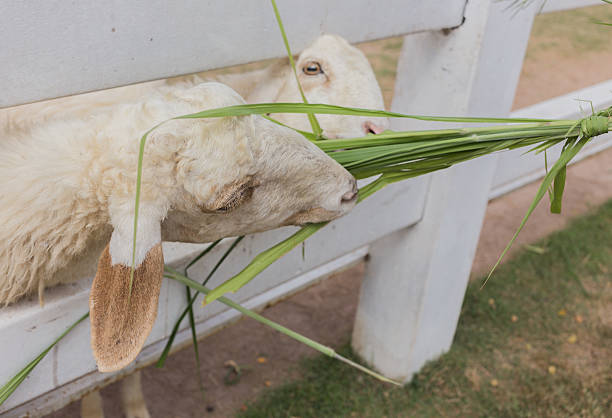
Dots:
pixel 26 329
pixel 559 5
pixel 70 391
pixel 53 48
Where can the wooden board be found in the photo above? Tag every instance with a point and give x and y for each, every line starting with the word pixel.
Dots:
pixel 53 48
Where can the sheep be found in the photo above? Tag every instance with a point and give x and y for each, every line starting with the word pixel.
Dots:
pixel 68 193
pixel 330 70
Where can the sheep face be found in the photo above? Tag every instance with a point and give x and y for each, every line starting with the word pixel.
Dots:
pixel 204 179
pixel 331 71
pixel 289 181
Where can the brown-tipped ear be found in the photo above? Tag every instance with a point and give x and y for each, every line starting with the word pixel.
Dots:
pixel 120 325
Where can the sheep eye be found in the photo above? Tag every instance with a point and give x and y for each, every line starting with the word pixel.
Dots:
pixel 235 199
pixel 312 68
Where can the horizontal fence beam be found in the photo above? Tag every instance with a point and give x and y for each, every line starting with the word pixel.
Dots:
pixel 54 48
pixel 75 389
pixel 559 5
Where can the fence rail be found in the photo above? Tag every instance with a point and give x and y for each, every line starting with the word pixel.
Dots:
pixel 75 47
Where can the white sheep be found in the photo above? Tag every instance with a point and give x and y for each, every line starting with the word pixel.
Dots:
pixel 331 71
pixel 68 189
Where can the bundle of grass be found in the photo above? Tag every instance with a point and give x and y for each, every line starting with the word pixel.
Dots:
pixel 396 156
pixel 392 157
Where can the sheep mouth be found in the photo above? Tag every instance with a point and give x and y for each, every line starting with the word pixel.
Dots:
pixel 312 216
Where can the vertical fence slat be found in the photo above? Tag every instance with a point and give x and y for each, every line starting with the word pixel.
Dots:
pixel 415 281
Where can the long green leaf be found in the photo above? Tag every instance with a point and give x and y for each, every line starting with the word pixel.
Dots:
pixel 267 257
pixel 314 123
pixel 328 351
pixel 164 355
pixel 194 336
pixel 566 156
pixel 396 166
pixel 557 193
pixel 262 261
pixel 194 341
pixel 325 109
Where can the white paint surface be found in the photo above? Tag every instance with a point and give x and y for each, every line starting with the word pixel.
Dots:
pixel 54 48
pixel 559 5
pixel 415 281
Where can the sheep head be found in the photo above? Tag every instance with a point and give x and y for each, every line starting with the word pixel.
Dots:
pixel 331 71
pixel 221 177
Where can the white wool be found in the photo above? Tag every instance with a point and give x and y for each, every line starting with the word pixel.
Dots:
pixel 84 149
pixel 347 79
pixel 56 237
pixel 68 183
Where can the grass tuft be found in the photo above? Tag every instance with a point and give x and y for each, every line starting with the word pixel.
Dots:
pixel 535 342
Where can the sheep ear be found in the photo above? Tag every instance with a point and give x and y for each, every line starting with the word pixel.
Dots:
pixel 122 319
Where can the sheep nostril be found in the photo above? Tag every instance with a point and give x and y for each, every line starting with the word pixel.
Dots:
pixel 349 196
pixel 371 128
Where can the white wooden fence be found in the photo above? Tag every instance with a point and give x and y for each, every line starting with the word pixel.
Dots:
pixel 421 234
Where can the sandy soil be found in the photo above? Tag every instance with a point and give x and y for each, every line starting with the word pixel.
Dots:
pixel 323 312
pixel 554 65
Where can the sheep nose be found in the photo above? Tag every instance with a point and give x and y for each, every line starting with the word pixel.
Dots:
pixel 372 128
pixel 351 195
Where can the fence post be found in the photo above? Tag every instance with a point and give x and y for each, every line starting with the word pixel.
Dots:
pixel 416 278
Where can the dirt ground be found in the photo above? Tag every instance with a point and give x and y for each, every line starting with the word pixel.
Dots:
pixel 555 64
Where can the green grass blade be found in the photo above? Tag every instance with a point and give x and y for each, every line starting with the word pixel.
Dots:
pixel 308 135
pixel 262 261
pixel 267 257
pixel 164 355
pixel 325 109
pixel 136 212
pixel 9 387
pixel 141 148
pixel 328 351
pixel 194 336
pixel 557 193
pixel 202 254
pixel 314 123
pixel 566 156
pixel 194 340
